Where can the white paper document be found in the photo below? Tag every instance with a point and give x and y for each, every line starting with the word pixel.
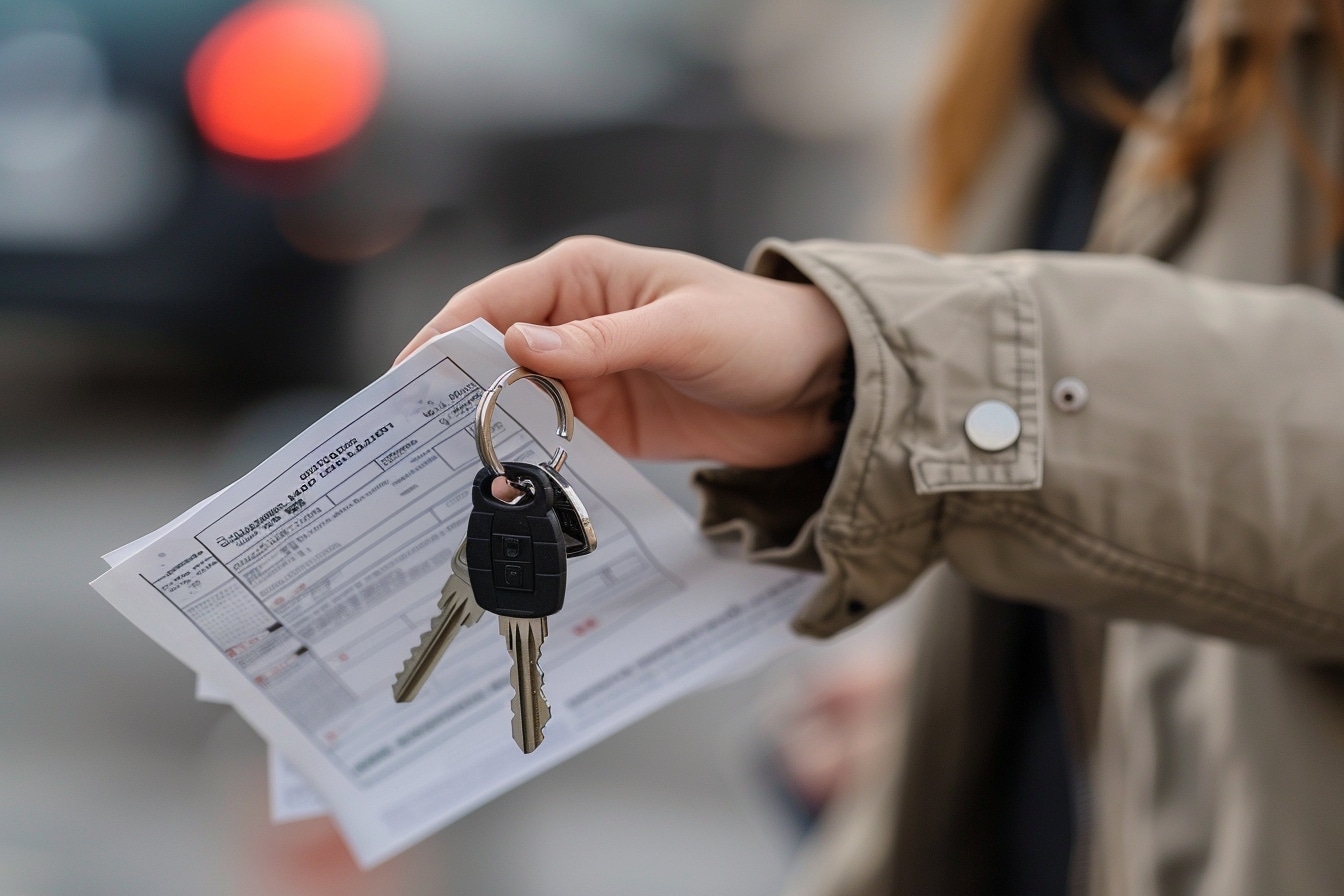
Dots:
pixel 291 797
pixel 298 592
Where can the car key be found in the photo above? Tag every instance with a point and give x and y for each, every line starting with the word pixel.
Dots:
pixel 516 560
pixel 531 712
pixel 577 526
pixel 457 610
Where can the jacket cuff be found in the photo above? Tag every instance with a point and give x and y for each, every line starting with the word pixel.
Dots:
pixel 932 337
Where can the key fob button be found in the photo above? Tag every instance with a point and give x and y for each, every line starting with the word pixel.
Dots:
pixel 513 576
pixel 512 547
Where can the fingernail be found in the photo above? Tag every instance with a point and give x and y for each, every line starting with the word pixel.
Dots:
pixel 539 339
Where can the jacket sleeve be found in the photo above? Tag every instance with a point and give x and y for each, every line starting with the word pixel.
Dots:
pixel 1200 484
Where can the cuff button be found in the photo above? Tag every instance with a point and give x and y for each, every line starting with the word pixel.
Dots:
pixel 993 426
pixel 1069 395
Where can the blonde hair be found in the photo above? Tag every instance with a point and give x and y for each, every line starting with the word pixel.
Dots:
pixel 1232 80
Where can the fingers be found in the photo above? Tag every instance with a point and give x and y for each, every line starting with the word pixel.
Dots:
pixel 591 274
pixel 524 291
pixel 652 337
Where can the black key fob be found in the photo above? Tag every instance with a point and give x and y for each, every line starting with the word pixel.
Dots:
pixel 516 552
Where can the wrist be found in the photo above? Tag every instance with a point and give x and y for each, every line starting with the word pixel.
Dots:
pixel 841 410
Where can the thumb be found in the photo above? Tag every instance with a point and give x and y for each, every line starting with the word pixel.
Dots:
pixel 645 338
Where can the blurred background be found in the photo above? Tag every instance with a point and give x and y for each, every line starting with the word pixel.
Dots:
pixel 190 273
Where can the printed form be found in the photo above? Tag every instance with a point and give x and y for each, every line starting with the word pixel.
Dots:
pixel 298 592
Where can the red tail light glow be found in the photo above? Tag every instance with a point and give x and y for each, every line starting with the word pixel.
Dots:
pixel 286 79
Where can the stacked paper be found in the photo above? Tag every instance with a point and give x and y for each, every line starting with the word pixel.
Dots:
pixel 297 592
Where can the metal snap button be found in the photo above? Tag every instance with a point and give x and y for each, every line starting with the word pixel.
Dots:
pixel 993 426
pixel 1069 395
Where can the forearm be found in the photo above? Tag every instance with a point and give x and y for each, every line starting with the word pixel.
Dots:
pixel 1201 484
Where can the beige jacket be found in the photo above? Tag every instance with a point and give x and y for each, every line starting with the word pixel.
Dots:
pixel 1189 520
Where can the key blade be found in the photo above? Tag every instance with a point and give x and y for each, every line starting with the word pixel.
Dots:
pixel 457 610
pixel 531 712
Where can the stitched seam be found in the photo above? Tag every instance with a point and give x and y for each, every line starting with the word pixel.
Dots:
pixel 1201 589
pixel 834 535
pixel 1019 307
pixel 1026 403
pixel 1125 564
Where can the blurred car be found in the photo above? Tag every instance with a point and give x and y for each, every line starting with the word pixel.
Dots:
pixel 123 207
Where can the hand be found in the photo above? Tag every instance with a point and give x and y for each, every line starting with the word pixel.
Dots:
pixel 837 721
pixel 668 355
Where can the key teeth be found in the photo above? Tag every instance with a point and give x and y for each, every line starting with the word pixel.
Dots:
pixel 457 616
pixel 543 715
pixel 525 644
pixel 413 661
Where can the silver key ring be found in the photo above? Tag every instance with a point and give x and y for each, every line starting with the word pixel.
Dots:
pixel 564 416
